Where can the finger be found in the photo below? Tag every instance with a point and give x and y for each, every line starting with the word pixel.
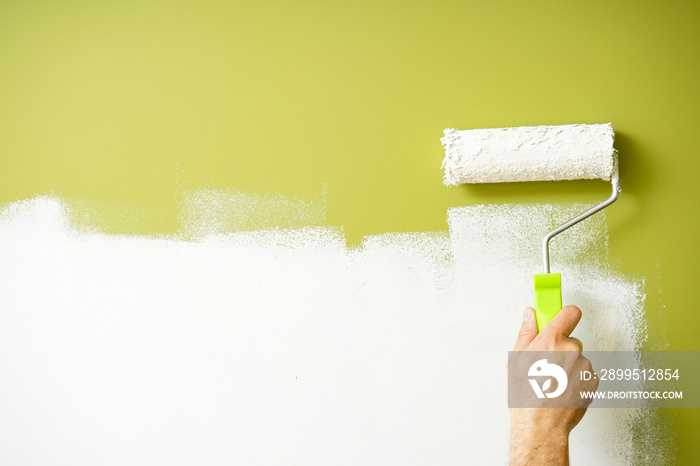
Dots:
pixel 578 343
pixel 565 321
pixel 528 331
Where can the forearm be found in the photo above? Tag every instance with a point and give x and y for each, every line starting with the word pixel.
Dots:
pixel 530 446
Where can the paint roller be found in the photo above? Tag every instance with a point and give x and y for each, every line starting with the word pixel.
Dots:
pixel 535 153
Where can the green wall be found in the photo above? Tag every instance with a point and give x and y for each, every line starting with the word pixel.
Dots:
pixel 124 103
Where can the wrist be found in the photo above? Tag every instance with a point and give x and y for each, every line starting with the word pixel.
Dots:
pixel 538 441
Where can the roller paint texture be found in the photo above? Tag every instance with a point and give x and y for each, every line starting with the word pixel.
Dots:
pixel 528 153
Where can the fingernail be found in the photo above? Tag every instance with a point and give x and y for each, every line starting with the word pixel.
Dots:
pixel 527 314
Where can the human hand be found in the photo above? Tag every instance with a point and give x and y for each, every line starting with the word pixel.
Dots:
pixel 541 435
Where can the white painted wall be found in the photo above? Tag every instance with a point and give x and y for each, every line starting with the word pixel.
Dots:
pixel 284 346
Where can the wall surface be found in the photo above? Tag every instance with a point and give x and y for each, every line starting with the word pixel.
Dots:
pixel 186 120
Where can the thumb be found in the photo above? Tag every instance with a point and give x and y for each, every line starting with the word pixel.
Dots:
pixel 528 331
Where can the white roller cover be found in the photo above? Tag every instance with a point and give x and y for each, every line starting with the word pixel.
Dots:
pixel 528 153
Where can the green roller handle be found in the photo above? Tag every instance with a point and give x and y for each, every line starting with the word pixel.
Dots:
pixel 547 297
